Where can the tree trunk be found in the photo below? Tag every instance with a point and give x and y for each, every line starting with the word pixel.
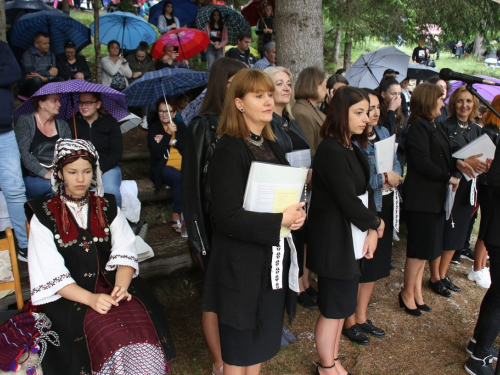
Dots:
pixel 299 34
pixel 479 47
pixel 3 26
pixel 97 44
pixel 65 6
pixel 336 47
pixel 347 51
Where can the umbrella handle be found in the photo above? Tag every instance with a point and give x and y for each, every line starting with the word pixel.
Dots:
pixel 262 18
pixel 166 103
pixel 180 45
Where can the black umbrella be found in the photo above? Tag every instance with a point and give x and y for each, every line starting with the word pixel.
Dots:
pixel 421 72
pixel 18 8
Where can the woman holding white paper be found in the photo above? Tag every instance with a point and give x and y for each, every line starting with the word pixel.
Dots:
pixel 424 191
pixel 341 176
pixel 293 142
pixel 238 283
pixel 384 190
pixel 461 130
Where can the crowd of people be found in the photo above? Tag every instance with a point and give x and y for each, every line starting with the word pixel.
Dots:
pixel 82 258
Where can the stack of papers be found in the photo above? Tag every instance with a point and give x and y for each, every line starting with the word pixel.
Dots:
pixel 482 145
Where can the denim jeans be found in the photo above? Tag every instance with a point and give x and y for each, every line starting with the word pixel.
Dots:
pixel 488 322
pixel 172 177
pixel 111 181
pixel 12 184
pixel 37 187
pixel 212 55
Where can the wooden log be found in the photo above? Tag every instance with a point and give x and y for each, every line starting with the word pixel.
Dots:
pixel 136 153
pixel 171 256
pixel 147 192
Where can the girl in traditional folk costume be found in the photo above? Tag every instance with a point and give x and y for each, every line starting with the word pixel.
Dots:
pixel 83 268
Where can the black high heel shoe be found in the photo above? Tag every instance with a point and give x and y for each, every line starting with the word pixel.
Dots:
pixel 414 312
pixel 423 307
pixel 325 367
pixel 336 359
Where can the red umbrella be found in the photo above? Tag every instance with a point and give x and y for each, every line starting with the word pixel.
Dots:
pixel 254 9
pixel 189 41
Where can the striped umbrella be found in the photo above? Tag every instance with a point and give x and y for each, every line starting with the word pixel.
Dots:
pixel 59 26
pixel 233 20
pixel 126 28
pixel 112 101
pixel 161 83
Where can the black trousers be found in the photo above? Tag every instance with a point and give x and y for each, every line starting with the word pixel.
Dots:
pixel 27 87
pixel 488 322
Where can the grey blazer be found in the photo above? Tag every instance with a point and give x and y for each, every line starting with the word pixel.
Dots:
pixel 25 132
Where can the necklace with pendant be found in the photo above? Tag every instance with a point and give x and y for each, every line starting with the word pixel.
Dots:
pixel 256 140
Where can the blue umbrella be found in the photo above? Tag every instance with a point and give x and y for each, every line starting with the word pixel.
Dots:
pixel 160 83
pixel 126 28
pixel 184 10
pixel 60 27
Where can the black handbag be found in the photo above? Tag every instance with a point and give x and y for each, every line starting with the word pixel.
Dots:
pixel 44 153
pixel 118 82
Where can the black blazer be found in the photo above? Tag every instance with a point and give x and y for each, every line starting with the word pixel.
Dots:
pixel 64 69
pixel 492 234
pixel 160 151
pixel 240 260
pixel 334 206
pixel 429 167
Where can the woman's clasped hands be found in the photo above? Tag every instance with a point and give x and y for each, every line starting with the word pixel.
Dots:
pixel 102 302
pixel 294 216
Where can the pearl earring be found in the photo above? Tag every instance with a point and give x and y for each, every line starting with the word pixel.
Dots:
pixel 242 110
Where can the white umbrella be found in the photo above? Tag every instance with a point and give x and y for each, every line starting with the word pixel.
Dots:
pixel 369 69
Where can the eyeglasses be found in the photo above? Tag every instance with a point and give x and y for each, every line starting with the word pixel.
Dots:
pixel 165 112
pixel 86 104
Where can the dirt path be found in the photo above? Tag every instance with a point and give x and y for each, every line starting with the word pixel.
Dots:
pixel 431 344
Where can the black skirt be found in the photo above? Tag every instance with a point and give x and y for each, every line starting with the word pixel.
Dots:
pixel 455 228
pixel 483 195
pixel 425 234
pixel 252 346
pixel 337 299
pixel 380 265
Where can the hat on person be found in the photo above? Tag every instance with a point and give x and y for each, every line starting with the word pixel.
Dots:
pixel 390 71
pixel 69 44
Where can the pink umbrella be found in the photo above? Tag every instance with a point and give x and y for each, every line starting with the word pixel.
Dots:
pixel 190 42
pixel 430 29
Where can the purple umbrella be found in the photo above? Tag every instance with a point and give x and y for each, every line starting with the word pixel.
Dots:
pixel 112 101
pixel 488 92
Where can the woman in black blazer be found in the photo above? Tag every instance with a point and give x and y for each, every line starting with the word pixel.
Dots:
pixel 429 167
pixel 488 321
pixel 341 174
pixel 238 280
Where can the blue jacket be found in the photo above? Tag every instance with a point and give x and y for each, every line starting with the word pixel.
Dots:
pixel 377 179
pixel 10 73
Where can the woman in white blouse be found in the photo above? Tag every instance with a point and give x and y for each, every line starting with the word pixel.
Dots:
pixel 83 267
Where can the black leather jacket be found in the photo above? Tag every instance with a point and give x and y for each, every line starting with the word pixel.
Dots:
pixel 494 134
pixel 282 138
pixel 199 145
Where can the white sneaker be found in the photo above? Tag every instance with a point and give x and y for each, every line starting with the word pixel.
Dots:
pixel 395 236
pixel 481 277
pixel 144 124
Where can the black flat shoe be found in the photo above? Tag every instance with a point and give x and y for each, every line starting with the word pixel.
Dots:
pixel 449 285
pixel 356 335
pixel 306 301
pixel 311 291
pixel 414 312
pixel 439 288
pixel 369 328
pixel 325 367
pixel 423 307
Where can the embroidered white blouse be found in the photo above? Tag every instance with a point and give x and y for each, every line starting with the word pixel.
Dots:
pixel 47 271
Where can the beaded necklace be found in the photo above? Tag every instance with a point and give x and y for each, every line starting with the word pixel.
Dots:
pixel 256 140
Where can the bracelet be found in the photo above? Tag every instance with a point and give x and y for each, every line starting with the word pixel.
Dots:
pixel 386 178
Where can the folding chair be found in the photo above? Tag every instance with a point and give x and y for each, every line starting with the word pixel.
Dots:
pixel 8 244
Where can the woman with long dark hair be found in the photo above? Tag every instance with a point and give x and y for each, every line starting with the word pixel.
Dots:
pixel 167 21
pixel 385 193
pixel 341 175
pixel 217 33
pixel 249 306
